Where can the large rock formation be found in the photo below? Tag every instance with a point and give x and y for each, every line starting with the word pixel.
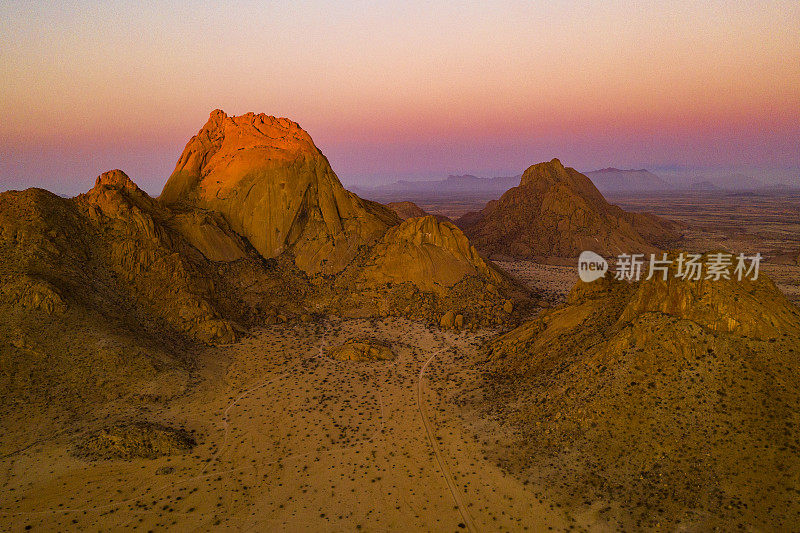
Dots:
pixel 270 184
pixel 113 291
pixel 652 396
pixel 273 186
pixel 557 212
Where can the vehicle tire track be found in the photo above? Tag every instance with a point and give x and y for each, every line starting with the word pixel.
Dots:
pixel 458 497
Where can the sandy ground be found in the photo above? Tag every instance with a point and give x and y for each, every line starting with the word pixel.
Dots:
pixel 292 440
pixel 555 281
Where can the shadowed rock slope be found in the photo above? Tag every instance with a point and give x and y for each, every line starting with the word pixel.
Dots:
pixel 105 296
pixel 557 212
pixel 673 404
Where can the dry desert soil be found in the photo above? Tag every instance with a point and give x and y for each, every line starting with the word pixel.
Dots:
pixel 290 439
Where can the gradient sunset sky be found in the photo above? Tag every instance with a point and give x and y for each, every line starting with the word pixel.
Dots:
pixel 395 90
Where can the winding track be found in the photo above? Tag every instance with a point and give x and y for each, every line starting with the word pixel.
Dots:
pixel 458 497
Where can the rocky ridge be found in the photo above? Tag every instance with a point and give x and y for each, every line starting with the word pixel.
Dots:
pixel 652 396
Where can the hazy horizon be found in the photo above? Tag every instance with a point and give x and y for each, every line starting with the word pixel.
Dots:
pixel 408 91
pixel 67 177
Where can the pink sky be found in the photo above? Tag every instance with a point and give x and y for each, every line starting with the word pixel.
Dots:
pixel 402 91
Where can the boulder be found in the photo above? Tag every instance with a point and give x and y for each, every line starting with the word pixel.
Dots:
pixel 448 319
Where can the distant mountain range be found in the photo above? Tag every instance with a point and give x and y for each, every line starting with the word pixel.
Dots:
pixel 452 185
pixel 608 181
pixel 731 182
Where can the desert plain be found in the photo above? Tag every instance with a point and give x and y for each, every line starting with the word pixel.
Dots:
pixel 289 438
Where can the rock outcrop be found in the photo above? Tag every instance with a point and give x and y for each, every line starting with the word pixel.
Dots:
pixel 432 255
pixel 406 210
pixel 141 440
pixel 362 351
pixel 154 261
pixel 652 395
pixel 273 186
pixel 557 212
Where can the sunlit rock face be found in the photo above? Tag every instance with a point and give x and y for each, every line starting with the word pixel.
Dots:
pixel 269 181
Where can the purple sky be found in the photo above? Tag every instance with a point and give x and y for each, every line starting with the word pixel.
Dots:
pixel 406 90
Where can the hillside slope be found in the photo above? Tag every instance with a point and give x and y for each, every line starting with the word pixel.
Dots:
pixel 652 396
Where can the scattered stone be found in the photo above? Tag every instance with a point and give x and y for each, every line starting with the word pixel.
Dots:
pixel 145 440
pixel 364 350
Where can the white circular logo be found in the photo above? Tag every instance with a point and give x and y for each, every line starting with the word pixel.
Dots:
pixel 591 266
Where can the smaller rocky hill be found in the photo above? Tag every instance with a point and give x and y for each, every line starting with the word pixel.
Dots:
pixel 557 212
pixel 431 254
pixel 424 269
